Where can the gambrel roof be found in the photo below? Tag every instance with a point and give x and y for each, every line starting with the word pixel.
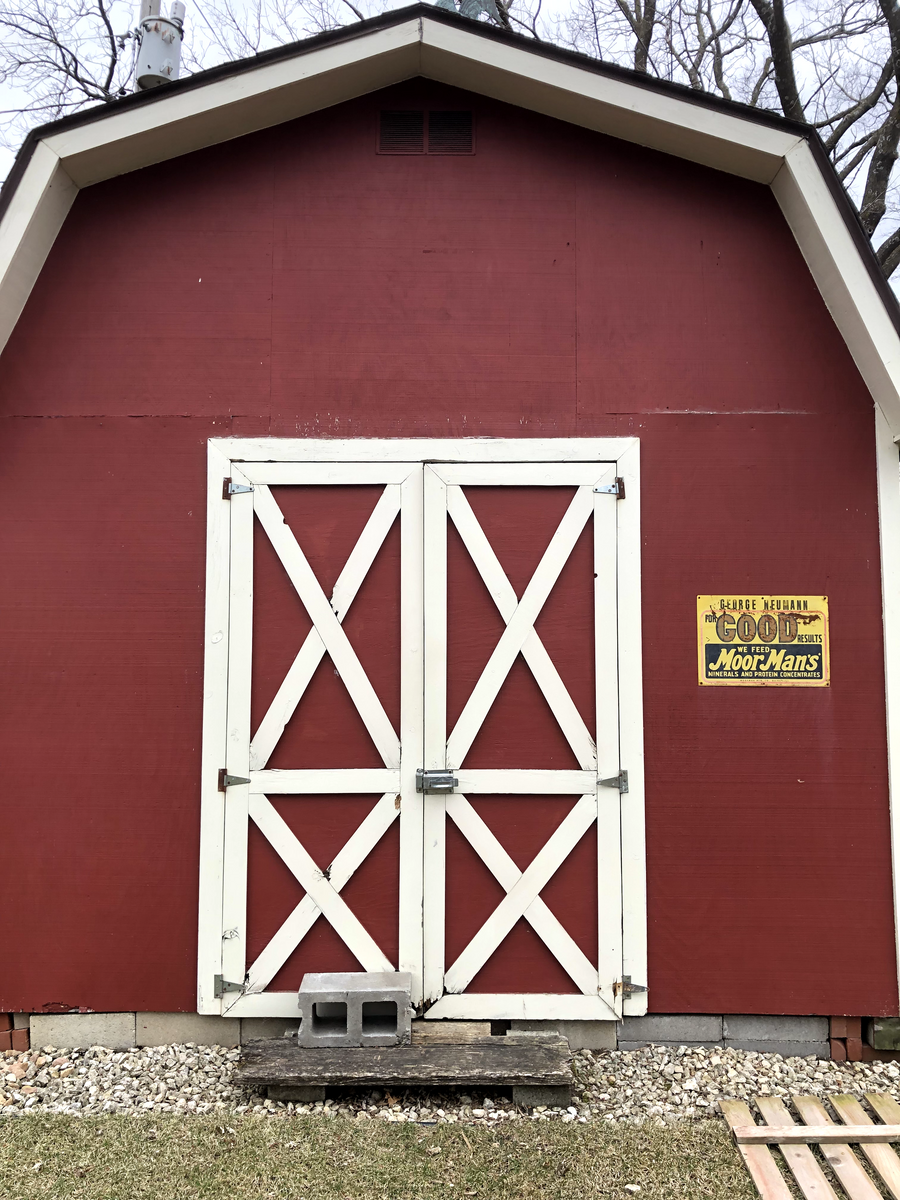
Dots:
pixel 214 106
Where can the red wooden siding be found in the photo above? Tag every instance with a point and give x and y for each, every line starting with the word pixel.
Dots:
pixel 557 282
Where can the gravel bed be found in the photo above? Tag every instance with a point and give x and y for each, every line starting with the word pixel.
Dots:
pixel 657 1084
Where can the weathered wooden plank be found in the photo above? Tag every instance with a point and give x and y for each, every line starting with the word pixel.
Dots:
pixel 885 1107
pixel 763 1169
pixel 798 1135
pixel 800 1159
pixel 882 1158
pixel 492 1063
pixel 449 1033
pixel 846 1166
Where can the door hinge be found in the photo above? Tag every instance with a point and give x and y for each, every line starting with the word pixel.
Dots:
pixel 619 781
pixel 616 488
pixel 435 781
pixel 624 987
pixel 230 488
pixel 222 985
pixel 227 781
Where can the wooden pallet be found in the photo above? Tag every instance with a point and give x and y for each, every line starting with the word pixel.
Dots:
pixel 819 1135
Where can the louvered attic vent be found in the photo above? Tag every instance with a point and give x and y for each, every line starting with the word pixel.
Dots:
pixel 450 133
pixel 411 131
pixel 402 132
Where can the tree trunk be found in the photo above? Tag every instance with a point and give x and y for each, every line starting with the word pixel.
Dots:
pixel 781 46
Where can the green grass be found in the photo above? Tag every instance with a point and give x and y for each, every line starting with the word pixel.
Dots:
pixel 302 1158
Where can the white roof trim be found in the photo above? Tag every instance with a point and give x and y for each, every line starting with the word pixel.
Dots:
pixel 126 139
pixel 228 108
pixel 841 276
pixel 702 134
pixel 28 230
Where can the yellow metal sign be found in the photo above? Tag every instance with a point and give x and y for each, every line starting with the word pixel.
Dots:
pixel 763 641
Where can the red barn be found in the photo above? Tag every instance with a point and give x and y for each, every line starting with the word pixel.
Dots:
pixel 450 521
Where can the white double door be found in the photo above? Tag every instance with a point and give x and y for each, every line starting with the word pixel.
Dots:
pixel 448 833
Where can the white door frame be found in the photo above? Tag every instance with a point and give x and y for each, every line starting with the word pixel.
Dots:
pixel 248 458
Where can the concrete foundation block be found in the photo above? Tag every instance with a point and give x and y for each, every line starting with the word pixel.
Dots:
pixel 174 1029
pixel 21 1020
pixel 581 1035
pixel 785 1049
pixel 668 1045
pixel 355 1008
pixel 80 1031
pixel 760 1028
pixel 528 1096
pixel 883 1033
pixel 255 1028
pixel 678 1028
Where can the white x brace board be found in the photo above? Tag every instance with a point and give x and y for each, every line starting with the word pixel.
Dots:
pixel 427 489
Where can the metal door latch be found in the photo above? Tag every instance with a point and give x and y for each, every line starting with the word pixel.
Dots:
pixel 222 985
pixel 624 987
pixel 435 781
pixel 619 781
pixel 227 781
pixel 230 488
pixel 616 488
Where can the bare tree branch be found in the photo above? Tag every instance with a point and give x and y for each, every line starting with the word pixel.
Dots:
pixel 889 253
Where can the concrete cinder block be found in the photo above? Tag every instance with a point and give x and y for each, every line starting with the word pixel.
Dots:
pixel 21 1020
pixel 174 1029
pixel 581 1035
pixel 759 1028
pixel 355 1008
pixel 256 1028
pixel 785 1049
pixel 80 1031
pixel 677 1028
